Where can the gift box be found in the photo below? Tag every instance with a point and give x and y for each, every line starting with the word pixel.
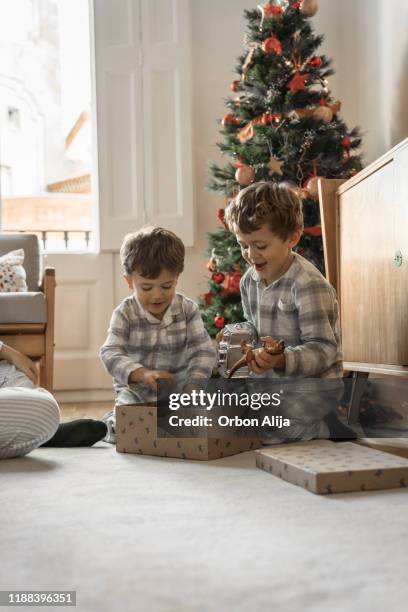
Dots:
pixel 323 467
pixel 395 446
pixel 136 432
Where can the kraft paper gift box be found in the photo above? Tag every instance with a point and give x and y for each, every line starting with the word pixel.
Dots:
pixel 395 446
pixel 136 432
pixel 322 466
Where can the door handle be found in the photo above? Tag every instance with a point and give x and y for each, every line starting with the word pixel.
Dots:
pixel 398 259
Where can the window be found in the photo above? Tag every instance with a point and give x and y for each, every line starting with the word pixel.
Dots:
pixel 45 122
pixel 142 74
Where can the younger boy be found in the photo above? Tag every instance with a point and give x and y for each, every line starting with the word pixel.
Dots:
pixel 155 333
pixel 285 296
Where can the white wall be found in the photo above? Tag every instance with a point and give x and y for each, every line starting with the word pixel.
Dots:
pixel 367 41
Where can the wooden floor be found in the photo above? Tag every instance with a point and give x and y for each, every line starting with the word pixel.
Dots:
pixel 87 410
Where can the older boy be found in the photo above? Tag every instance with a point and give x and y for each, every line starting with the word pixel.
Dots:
pixel 285 296
pixel 155 333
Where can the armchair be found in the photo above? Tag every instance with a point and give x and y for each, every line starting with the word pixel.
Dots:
pixel 27 318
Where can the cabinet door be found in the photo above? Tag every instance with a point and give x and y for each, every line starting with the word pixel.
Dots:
pixel 370 281
pixel 401 244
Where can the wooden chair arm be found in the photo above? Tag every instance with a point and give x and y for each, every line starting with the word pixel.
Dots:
pixel 48 283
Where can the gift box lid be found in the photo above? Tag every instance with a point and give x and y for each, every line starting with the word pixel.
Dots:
pixel 323 466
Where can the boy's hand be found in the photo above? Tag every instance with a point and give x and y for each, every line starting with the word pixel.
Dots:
pixel 263 361
pixel 22 363
pixel 150 377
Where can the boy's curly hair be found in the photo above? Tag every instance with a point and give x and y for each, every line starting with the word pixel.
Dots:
pixel 274 204
pixel 151 250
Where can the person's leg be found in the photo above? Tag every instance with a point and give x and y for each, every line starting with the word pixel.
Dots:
pixel 81 432
pixel 123 397
pixel 109 419
pixel 28 418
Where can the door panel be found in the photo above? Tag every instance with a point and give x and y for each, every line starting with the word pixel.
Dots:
pixel 83 306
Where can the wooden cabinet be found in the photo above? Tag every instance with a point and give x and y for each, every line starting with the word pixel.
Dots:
pixel 365 230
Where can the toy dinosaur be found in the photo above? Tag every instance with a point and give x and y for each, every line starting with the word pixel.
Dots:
pixel 269 345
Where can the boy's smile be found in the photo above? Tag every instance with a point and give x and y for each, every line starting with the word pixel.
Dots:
pixel 269 254
pixel 154 294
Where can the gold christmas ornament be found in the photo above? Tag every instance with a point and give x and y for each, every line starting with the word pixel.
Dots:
pixel 324 113
pixel 312 187
pixel 309 8
pixel 275 166
pixel 245 175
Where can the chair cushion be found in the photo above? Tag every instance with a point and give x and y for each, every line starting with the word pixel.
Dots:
pixel 32 261
pixel 12 273
pixel 30 307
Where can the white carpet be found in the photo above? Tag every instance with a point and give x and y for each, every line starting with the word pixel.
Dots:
pixel 143 534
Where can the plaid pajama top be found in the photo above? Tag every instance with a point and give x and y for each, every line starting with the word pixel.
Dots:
pixel 300 308
pixel 178 343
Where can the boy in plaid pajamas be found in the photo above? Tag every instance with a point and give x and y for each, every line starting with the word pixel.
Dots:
pixel 286 297
pixel 155 333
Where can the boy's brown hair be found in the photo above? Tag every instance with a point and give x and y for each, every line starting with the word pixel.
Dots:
pixel 151 250
pixel 274 204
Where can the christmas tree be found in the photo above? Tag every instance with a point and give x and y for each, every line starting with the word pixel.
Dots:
pixel 282 124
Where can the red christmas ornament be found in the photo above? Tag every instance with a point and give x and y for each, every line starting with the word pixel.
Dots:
pixel 218 277
pixel 270 10
pixel 207 298
pixel 231 283
pixel 315 61
pixel 295 5
pixel 235 85
pixel 230 120
pixel 219 322
pixel 236 278
pixel 272 45
pixel 301 251
pixel 315 230
pixel 346 142
pixel 298 82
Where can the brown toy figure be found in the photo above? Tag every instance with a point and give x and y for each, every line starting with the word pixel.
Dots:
pixel 269 345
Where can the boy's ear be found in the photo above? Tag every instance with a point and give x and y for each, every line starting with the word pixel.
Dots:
pixel 129 281
pixel 295 238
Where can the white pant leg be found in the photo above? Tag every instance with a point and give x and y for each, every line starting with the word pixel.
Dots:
pixel 28 418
